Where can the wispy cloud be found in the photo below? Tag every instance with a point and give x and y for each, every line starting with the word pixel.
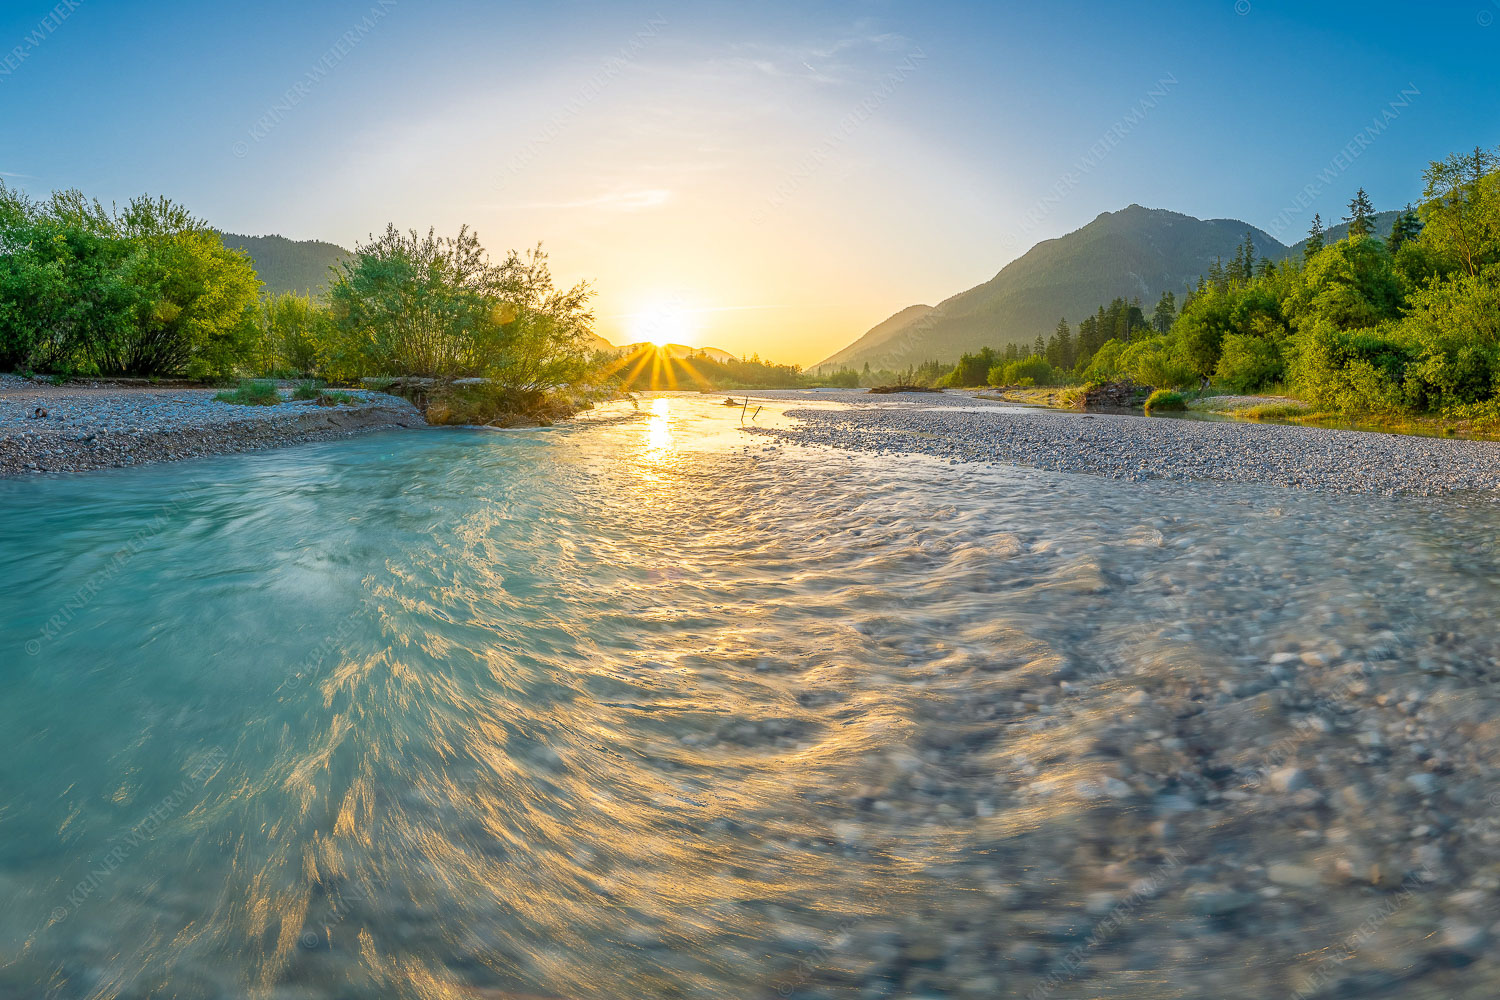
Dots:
pixel 18 177
pixel 830 62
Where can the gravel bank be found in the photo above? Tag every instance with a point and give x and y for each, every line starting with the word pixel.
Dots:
pixel 75 428
pixel 963 429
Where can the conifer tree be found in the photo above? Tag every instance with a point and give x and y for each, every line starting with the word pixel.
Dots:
pixel 1247 258
pixel 1314 238
pixel 1166 312
pixel 1406 227
pixel 1216 273
pixel 1060 353
pixel 1361 216
pixel 1039 348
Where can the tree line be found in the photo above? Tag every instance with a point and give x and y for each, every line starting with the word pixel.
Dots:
pixel 150 290
pixel 1407 320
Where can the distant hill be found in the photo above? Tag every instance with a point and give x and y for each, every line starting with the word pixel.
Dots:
pixel 679 351
pixel 1136 253
pixel 290 265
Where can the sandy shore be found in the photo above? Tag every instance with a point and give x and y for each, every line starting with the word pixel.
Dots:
pixel 78 427
pixel 961 428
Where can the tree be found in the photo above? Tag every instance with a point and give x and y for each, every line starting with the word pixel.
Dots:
pixel 409 304
pixel 1165 314
pixel 295 334
pixel 144 290
pixel 1361 216
pixel 1039 347
pixel 1028 371
pixel 972 369
pixel 1406 227
pixel 1461 210
pixel 1242 268
pixel 1060 350
pixel 1315 238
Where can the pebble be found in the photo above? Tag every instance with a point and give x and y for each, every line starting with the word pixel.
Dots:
pixel 1461 936
pixel 1289 779
pixel 1293 876
pixel 1424 783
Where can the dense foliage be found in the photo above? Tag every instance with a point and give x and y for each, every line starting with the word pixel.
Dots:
pixel 409 304
pixel 143 290
pixel 151 290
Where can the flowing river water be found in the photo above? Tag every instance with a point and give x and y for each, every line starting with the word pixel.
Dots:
pixel 645 707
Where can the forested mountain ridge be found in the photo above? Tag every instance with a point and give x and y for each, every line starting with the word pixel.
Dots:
pixel 1135 253
pixel 298 266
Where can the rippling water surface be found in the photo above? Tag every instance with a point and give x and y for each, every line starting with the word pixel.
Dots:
pixel 632 708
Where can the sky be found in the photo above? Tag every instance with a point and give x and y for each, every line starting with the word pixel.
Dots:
pixel 770 178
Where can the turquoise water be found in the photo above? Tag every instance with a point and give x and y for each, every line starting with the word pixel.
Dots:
pixel 635 707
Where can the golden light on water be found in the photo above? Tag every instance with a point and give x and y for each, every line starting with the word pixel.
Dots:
pixel 659 430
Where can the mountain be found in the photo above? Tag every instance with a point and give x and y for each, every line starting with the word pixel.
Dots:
pixel 290 265
pixel 1136 253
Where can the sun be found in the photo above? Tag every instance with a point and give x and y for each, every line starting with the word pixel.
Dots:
pixel 662 325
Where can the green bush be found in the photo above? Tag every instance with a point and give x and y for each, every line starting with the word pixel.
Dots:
pixel 1249 363
pixel 409 304
pixel 295 334
pixel 848 378
pixel 252 393
pixel 1154 362
pixel 1274 411
pixel 1350 371
pixel 1105 364
pixel 1166 401
pixel 1453 329
pixel 307 390
pixel 1028 371
pixel 147 289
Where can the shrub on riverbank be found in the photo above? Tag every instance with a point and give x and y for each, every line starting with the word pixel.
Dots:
pixel 497 405
pixel 252 393
pixel 1028 371
pixel 144 290
pixel 1165 401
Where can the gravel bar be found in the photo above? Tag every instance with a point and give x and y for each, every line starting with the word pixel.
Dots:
pixel 963 429
pixel 74 428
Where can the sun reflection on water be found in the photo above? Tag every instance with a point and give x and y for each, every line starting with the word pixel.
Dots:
pixel 659 430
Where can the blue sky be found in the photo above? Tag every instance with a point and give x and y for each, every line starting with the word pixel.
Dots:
pixel 783 175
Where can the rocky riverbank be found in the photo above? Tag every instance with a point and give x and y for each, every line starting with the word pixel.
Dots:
pixel 78 427
pixel 1137 449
